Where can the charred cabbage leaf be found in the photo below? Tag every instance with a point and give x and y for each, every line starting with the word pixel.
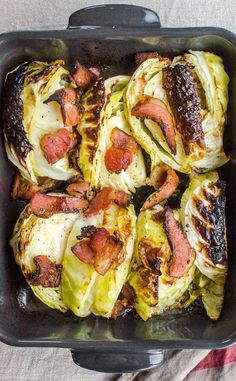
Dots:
pixel 147 82
pixel 177 112
pixel 39 242
pixel 155 290
pixel 103 112
pixel 203 215
pixel 208 69
pixel 27 118
pixel 84 290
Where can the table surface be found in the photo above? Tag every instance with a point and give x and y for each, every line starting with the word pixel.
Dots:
pixel 37 364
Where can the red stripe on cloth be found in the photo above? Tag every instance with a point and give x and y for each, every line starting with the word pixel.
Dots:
pixel 217 357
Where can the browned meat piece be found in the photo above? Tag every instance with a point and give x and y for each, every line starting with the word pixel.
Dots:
pixel 84 77
pixel 80 188
pixel 99 248
pixel 112 254
pixel 86 250
pixel 141 57
pixel 98 239
pixel 55 145
pixel 120 155
pixel 183 255
pixel 182 94
pixel 156 110
pixel 83 251
pixel 25 190
pixel 125 302
pixel 47 274
pixel 103 200
pixel 69 101
pixel 44 206
pixel 165 180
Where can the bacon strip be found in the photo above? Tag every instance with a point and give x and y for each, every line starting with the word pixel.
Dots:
pixel 111 254
pixel 83 251
pixel 101 249
pixel 55 145
pixel 84 77
pixel 183 254
pixel 80 188
pixel 125 302
pixel 165 180
pixel 47 274
pixel 120 155
pixel 156 110
pixel 103 200
pixel 69 100
pixel 25 190
pixel 98 239
pixel 44 206
pixel 143 56
pixel 117 159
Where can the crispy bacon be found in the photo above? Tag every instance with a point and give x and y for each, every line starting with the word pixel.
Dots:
pixel 86 250
pixel 125 302
pixel 111 254
pixel 98 239
pixel 165 180
pixel 83 251
pixel 55 145
pixel 78 189
pixel 117 159
pixel 143 56
pixel 183 255
pixel 25 190
pixel 121 198
pixel 84 77
pixel 120 155
pixel 99 248
pixel 47 274
pixel 156 110
pixel 104 198
pixel 69 101
pixel 44 206
pixel 122 140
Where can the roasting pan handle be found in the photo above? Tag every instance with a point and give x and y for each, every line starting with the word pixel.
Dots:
pixel 117 362
pixel 114 16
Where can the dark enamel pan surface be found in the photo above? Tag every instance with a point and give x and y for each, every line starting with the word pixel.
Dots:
pixel 128 343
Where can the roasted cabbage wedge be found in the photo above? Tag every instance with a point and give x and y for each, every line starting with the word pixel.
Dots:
pixel 193 91
pixel 155 291
pixel 27 118
pixel 34 236
pixel 103 111
pixel 85 291
pixel 203 215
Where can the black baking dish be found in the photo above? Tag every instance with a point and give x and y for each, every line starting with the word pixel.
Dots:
pixel 109 36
